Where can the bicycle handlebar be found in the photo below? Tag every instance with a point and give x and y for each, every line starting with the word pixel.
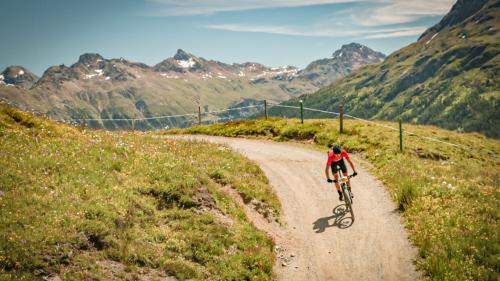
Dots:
pixel 350 176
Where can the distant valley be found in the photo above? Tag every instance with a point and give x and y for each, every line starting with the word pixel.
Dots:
pixel 98 88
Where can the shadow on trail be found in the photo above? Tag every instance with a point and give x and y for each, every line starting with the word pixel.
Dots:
pixel 340 220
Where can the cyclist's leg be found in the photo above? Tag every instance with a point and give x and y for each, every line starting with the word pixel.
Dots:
pixel 337 185
pixel 343 167
pixel 335 175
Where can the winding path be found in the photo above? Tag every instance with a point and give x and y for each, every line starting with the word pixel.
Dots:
pixel 316 242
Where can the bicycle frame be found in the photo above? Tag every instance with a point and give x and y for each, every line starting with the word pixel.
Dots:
pixel 342 180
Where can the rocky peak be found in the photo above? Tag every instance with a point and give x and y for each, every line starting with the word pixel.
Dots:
pixel 353 47
pixel 56 75
pixel 18 76
pixel 90 58
pixel 458 13
pixel 181 55
pixel 345 60
pixel 349 51
pixel 181 62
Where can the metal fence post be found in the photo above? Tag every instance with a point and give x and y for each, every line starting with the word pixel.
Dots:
pixel 301 112
pixel 341 118
pixel 199 115
pixel 265 108
pixel 400 136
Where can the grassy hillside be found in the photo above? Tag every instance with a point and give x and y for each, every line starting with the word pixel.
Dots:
pixel 90 205
pixel 150 96
pixel 447 78
pixel 450 197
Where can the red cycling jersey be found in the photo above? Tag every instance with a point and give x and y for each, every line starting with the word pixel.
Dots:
pixel 335 158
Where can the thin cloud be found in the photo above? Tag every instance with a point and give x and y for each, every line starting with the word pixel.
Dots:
pixel 367 33
pixel 283 30
pixel 384 12
pixel 366 19
pixel 399 33
pixel 207 7
pixel 402 11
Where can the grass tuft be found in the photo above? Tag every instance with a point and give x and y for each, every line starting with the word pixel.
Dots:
pixel 406 194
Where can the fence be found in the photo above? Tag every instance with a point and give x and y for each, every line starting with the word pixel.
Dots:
pixel 341 116
pixel 263 108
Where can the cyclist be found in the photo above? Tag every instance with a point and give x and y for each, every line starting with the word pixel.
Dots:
pixel 335 159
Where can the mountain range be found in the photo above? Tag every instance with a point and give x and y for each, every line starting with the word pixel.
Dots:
pixel 449 77
pixel 95 87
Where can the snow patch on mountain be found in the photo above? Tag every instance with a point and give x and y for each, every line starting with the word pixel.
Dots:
pixel 253 67
pixel 98 72
pixel 168 76
pixel 433 36
pixel 206 76
pixel 186 63
pixel 275 71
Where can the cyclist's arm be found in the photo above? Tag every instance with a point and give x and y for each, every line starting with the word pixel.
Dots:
pixel 351 164
pixel 327 172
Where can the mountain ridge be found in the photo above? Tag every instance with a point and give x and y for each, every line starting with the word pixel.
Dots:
pixel 343 61
pixel 95 87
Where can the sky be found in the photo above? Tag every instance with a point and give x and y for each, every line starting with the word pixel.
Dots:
pixel 40 33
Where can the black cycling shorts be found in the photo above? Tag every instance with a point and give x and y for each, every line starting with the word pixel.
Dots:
pixel 336 165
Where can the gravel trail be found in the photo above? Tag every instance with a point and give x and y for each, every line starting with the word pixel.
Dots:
pixel 317 241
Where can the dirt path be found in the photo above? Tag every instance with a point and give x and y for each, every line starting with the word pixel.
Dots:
pixel 315 243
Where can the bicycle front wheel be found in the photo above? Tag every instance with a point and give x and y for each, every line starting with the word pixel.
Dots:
pixel 347 196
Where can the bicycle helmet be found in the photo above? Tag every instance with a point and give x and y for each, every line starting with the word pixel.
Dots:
pixel 337 149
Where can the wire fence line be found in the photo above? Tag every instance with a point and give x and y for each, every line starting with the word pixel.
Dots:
pixel 305 108
pixel 158 117
pixel 229 118
pixel 405 132
pixel 377 124
pixel 132 119
pixel 234 108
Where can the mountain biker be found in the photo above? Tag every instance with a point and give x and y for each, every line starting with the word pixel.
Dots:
pixel 335 159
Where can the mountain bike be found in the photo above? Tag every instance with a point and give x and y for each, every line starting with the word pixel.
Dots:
pixel 346 191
